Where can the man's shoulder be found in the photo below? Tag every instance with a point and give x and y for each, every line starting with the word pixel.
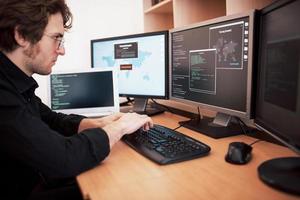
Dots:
pixel 9 94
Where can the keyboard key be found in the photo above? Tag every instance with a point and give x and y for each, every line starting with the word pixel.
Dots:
pixel 165 146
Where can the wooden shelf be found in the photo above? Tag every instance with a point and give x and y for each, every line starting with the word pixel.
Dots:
pixel 164 7
pixel 158 17
pixel 236 6
pixel 193 11
pixel 170 14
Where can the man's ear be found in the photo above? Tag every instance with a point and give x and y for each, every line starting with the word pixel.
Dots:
pixel 21 41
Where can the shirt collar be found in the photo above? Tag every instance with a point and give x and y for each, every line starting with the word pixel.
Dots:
pixel 17 77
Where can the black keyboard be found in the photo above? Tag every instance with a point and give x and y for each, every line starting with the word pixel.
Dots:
pixel 164 146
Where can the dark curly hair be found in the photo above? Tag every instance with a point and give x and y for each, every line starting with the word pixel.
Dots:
pixel 30 17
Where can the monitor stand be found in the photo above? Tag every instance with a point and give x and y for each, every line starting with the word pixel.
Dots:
pixel 282 174
pixel 140 106
pixel 219 127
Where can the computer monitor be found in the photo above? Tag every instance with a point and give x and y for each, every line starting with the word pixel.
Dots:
pixel 211 67
pixel 278 90
pixel 142 64
pixel 88 92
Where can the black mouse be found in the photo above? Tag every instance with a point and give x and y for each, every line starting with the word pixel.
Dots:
pixel 238 153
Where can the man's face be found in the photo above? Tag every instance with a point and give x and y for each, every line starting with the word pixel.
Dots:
pixel 41 57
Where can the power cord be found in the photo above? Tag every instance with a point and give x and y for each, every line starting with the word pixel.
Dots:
pixel 198 117
pixel 256 141
pixel 178 127
pixel 243 126
pixel 199 113
pixel 129 100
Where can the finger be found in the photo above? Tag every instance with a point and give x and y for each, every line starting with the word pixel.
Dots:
pixel 145 127
pixel 148 124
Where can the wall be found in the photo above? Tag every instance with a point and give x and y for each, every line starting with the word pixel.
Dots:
pixel 94 19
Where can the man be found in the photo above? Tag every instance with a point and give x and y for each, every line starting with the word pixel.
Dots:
pixel 42 151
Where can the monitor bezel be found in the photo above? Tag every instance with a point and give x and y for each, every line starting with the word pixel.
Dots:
pixel 92 111
pixel 248 114
pixel 165 33
pixel 259 123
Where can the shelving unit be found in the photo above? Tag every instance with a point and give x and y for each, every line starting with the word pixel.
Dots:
pixel 158 17
pixel 169 14
pixel 235 6
pixel 162 7
pixel 192 11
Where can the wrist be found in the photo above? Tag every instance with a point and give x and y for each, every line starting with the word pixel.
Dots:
pixel 89 123
pixel 114 132
pixel 113 129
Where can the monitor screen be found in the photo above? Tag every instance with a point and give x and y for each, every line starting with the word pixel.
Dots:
pixel 89 92
pixel 141 61
pixel 211 65
pixel 278 91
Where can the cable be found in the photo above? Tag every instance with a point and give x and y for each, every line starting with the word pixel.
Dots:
pixel 182 123
pixel 241 125
pixel 129 100
pixel 259 140
pixel 199 113
pixel 241 121
pixel 177 127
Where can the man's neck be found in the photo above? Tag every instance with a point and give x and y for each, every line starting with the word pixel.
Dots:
pixel 17 57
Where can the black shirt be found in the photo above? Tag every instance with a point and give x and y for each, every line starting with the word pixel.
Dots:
pixel 36 142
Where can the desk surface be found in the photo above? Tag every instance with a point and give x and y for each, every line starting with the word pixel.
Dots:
pixel 126 174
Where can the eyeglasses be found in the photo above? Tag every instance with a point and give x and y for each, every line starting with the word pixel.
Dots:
pixel 57 38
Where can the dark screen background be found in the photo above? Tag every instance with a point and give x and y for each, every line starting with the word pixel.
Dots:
pixel 278 108
pixel 227 87
pixel 81 90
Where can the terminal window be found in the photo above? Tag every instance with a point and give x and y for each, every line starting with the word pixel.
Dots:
pixel 81 90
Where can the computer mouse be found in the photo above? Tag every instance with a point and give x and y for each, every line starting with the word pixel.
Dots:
pixel 238 153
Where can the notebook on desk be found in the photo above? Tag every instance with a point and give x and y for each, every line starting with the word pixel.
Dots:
pixel 88 92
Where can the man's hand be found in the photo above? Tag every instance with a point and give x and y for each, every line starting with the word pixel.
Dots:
pixel 126 124
pixel 98 122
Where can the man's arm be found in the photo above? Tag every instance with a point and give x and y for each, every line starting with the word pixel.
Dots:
pixel 118 125
pixel 87 123
pixel 66 125
pixel 29 140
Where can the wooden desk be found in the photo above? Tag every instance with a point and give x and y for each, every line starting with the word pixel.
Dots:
pixel 126 174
